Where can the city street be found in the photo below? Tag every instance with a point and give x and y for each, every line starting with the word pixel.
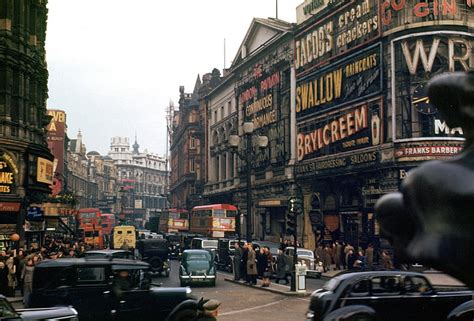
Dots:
pixel 244 303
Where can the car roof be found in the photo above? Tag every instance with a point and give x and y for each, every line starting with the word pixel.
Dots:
pixel 108 251
pixel 65 262
pixel 195 251
pixel 361 275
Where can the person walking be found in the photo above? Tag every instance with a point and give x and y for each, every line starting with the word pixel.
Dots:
pixel 281 267
pixel 27 277
pixel 236 261
pixel 326 258
pixel 337 255
pixel 268 271
pixel 243 262
pixel 251 265
pixel 369 255
pixel 11 275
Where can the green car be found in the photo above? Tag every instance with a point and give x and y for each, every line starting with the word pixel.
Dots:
pixel 197 267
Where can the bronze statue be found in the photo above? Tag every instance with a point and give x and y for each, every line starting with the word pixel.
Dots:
pixel 431 219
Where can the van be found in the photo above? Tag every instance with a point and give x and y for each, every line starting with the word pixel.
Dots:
pixel 124 237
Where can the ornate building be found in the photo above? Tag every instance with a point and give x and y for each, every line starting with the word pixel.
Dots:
pixel 141 178
pixel 26 167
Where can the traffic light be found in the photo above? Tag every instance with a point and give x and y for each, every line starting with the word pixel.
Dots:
pixel 295 208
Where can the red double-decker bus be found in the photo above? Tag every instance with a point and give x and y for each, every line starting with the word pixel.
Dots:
pixel 89 221
pixel 214 220
pixel 89 216
pixel 174 220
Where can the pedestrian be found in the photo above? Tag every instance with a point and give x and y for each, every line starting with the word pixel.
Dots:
pixel 268 270
pixel 261 262
pixel 210 311
pixel 11 275
pixel 351 257
pixel 326 258
pixel 27 277
pixel 243 262
pixel 3 278
pixel 348 248
pixel 360 261
pixel 337 255
pixel 236 261
pixel 251 265
pixel 289 266
pixel 387 261
pixel 369 255
pixel 281 267
pixel 319 252
pixel 20 265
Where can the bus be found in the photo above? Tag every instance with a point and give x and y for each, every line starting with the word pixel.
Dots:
pixel 174 220
pixel 214 220
pixel 93 235
pixel 88 216
pixel 124 237
pixel 107 223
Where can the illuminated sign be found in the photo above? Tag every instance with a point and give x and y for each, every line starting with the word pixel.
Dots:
pixel 44 173
pixel 353 78
pixel 347 28
pixel 426 151
pixel 349 129
pixel 8 170
pixel 403 14
pixel 416 58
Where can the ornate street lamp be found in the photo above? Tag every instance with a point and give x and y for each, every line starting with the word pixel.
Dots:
pixel 248 156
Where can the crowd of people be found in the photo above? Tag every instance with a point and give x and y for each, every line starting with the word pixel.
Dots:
pixel 17 265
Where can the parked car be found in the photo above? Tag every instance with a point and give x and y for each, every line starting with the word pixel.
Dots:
pixel 197 266
pixel 384 295
pixel 156 253
pixel 305 257
pixel 7 312
pixel 225 254
pixel 116 254
pixel 104 289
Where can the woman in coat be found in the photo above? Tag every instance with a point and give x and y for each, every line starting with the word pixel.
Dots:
pixel 268 270
pixel 11 276
pixel 281 267
pixel 251 265
pixel 261 262
pixel 27 277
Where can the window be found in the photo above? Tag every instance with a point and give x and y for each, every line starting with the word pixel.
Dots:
pixel 192 142
pixel 90 275
pixel 215 116
pixel 361 288
pixel 192 166
pixel 222 112
pixel 386 285
pixel 416 285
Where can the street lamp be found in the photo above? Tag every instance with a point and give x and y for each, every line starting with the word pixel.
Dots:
pixel 248 157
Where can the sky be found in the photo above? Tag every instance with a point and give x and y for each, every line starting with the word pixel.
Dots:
pixel 115 65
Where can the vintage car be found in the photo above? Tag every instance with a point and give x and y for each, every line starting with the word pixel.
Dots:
pixel 175 243
pixel 7 312
pixel 385 296
pixel 104 289
pixel 197 266
pixel 116 254
pixel 199 243
pixel 305 257
pixel 156 253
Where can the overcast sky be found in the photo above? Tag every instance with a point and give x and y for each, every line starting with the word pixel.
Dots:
pixel 114 65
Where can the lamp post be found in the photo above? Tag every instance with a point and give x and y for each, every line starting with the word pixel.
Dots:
pixel 248 156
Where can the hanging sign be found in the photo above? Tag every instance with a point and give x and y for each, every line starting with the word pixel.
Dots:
pixel 8 172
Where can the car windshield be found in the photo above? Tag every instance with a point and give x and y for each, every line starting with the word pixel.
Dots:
pixel 305 253
pixel 209 244
pixel 198 257
pixel 332 284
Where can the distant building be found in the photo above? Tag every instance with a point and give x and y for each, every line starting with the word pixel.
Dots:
pixel 142 179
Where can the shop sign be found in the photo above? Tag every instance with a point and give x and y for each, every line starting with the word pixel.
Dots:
pixel 9 207
pixel 355 77
pixel 406 14
pixel 423 151
pixel 44 172
pixel 416 58
pixel 349 27
pixel 35 214
pixel 312 8
pixel 323 166
pixel 56 131
pixel 352 128
pixel 8 171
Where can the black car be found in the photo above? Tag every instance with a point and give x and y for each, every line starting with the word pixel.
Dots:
pixel 7 312
pixel 156 253
pixel 384 295
pixel 175 244
pixel 225 253
pixel 104 289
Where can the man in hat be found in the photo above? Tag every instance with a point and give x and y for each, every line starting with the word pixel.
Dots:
pixel 210 311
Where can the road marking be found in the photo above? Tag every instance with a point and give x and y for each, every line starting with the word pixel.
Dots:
pixel 253 308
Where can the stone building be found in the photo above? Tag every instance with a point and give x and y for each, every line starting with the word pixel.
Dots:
pixel 25 161
pixel 142 178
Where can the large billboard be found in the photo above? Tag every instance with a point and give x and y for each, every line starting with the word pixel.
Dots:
pixel 416 58
pixel 344 29
pixel 353 78
pixel 55 137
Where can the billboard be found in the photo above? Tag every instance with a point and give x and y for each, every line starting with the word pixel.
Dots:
pixel 56 132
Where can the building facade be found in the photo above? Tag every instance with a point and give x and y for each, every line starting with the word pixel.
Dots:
pixel 25 162
pixel 363 118
pixel 141 179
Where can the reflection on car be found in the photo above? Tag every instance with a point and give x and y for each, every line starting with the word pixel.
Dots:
pixel 116 254
pixel 197 266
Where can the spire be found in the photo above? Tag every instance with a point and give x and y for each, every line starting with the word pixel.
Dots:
pixel 79 142
pixel 136 146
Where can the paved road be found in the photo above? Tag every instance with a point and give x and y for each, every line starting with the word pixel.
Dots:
pixel 245 303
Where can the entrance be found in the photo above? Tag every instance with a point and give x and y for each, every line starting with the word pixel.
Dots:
pixel 350 228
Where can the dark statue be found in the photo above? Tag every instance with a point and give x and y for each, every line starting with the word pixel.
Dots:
pixel 431 219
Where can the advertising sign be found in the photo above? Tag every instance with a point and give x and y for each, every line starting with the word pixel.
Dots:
pixel 8 173
pixel 354 78
pixel 56 131
pixel 422 151
pixel 44 172
pixel 311 8
pixel 35 214
pixel 351 128
pixel 407 14
pixel 415 59
pixel 347 28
